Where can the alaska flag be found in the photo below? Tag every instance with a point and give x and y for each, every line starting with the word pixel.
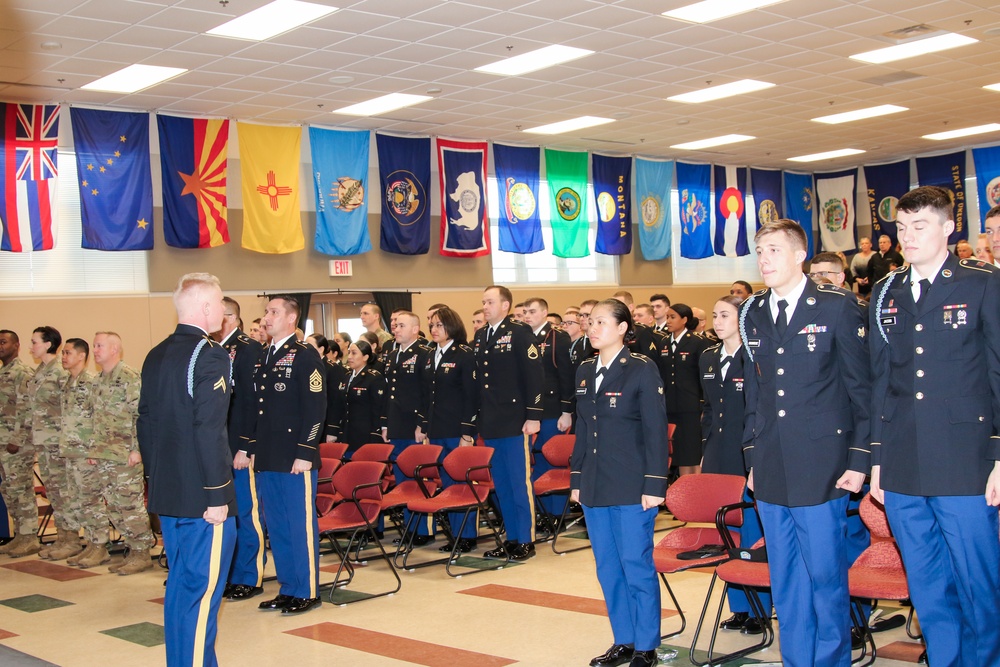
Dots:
pixel 566 173
pixel 694 182
pixel 116 188
pixel 987 161
pixel 948 171
pixel 731 220
pixel 193 161
pixel 28 167
pixel 612 177
pixel 340 176
pixel 886 184
pixel 654 180
pixel 518 178
pixel 465 218
pixel 765 184
pixel 800 200
pixel 404 167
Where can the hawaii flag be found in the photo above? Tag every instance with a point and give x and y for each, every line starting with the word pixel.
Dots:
pixel 193 161
pixel 731 223
pixel 836 194
pixel 567 176
pixel 340 173
pixel 653 182
pixel 518 177
pixel 269 160
pixel 464 216
pixel 28 159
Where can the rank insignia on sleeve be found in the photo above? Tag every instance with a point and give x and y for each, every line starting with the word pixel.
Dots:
pixel 220 384
pixel 316 382
pixel 532 352
pixel 861 332
pixel 659 390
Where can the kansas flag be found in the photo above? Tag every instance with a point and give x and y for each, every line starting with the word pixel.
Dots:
pixel 193 162
pixel 518 179
pixel 464 216
pixel 269 158
pixel 116 189
pixel 340 174
pixel 28 171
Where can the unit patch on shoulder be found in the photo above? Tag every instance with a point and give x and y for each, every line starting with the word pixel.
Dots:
pixel 316 382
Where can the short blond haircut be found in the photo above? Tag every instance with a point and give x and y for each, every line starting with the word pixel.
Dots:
pixel 192 282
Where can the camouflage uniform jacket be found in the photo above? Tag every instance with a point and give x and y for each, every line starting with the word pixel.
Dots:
pixel 77 415
pixel 115 401
pixel 13 377
pixel 44 403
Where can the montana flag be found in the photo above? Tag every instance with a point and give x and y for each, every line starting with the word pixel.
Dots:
pixel 886 183
pixel 654 180
pixel 566 174
pixel 465 218
pixel 836 194
pixel 765 185
pixel 404 167
pixel 340 176
pixel 694 182
pixel 518 177
pixel 800 204
pixel 28 168
pixel 269 160
pixel 987 161
pixel 116 188
pixel 731 216
pixel 948 172
pixel 612 177
pixel 193 161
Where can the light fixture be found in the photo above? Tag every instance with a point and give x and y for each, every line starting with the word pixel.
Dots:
pixel 51 46
pixel 383 104
pixel 964 132
pixel 918 47
pixel 713 10
pixel 133 78
pixel 859 114
pixel 532 61
pixel 995 87
pixel 721 91
pixel 570 125
pixel 828 155
pixel 272 19
pixel 714 141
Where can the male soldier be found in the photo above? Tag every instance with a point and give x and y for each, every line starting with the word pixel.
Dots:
pixel 510 389
pixel 75 433
pixel 371 319
pixel 741 288
pixel 643 314
pixel 18 455
pixel 182 433
pixel 936 429
pixel 478 321
pixel 805 347
pixel 571 325
pixel 992 225
pixel 285 453
pixel 660 303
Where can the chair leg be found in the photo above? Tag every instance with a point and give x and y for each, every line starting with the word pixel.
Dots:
pixel 677 606
pixel 859 622
pixel 559 529
pixel 909 625
pixel 406 541
pixel 756 609
pixel 453 557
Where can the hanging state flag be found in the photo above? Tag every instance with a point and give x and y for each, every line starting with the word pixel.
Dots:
pixel 886 183
pixel 731 223
pixel 193 161
pixel 800 204
pixel 948 172
pixel 612 178
pixel 836 193
pixel 518 177
pixel 28 169
pixel 269 160
pixel 987 161
pixel 404 167
pixel 765 185
pixel 340 174
pixel 566 173
pixel 116 188
pixel 654 180
pixel 465 218
pixel 694 183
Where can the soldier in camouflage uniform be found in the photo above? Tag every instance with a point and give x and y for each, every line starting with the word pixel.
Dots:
pixel 18 455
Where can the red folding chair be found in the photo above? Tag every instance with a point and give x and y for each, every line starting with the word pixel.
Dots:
pixel 419 465
pixel 326 495
pixel 332 450
pixel 556 482
pixel 381 452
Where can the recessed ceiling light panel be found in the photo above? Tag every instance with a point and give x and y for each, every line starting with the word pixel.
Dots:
pixel 570 125
pixel 964 132
pixel 828 155
pixel 860 114
pixel 383 104
pixel 713 10
pixel 272 19
pixel 720 92
pixel 918 47
pixel 133 79
pixel 724 140
pixel 532 61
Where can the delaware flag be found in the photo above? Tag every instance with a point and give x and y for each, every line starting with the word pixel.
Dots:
pixel 731 223
pixel 28 160
pixel 269 158
pixel 116 189
pixel 465 221
pixel 948 171
pixel 800 200
pixel 765 184
pixel 518 176
pixel 694 182
pixel 886 183
pixel 567 177
pixel 340 173
pixel 836 193
pixel 653 182
pixel 193 163
pixel 612 178
pixel 987 162
pixel 404 167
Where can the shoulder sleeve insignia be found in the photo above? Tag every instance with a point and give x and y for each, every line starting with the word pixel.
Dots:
pixel 220 384
pixel 316 381
pixel 532 351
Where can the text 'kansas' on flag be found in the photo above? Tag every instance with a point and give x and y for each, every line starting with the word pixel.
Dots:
pixel 28 168
pixel 269 160
pixel 464 216
pixel 340 176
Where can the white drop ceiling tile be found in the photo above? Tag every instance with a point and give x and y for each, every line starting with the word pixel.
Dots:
pixel 277 100
pixel 461 39
pixel 118 53
pixel 146 36
pixel 94 68
pixel 235 66
pixel 310 37
pixel 294 73
pixel 326 60
pixel 175 88
pixel 194 107
pixel 309 91
pixel 242 111
pixel 601 17
pixel 168 58
pixel 255 83
pixel 31 62
pixel 419 53
pixel 374 67
pixel 274 53
pixel 121 10
pixel 407 31
pixel 366 45
pixel 553 11
pixel 144 101
pixel 67 26
pixel 210 45
pixel 225 95
pixel 194 21
pixel 23 20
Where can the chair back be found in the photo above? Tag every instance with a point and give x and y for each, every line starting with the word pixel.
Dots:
pixel 360 480
pixel 558 450
pixel 327 468
pixel 415 456
pixel 381 452
pixel 873 516
pixel 332 450
pixel 697 498
pixel 472 463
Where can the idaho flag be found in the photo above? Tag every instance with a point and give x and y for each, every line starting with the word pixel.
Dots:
pixel 731 225
pixel 404 167
pixel 193 161
pixel 653 182
pixel 765 184
pixel 340 172
pixel 694 195
pixel 567 177
pixel 269 160
pixel 518 176
pixel 116 188
pixel 948 172
pixel 465 230
pixel 886 184
pixel 987 162
pixel 800 200
pixel 612 178
pixel 29 140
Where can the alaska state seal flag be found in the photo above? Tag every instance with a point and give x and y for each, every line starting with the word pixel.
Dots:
pixel 612 177
pixel 731 218
pixel 836 194
pixel 518 177
pixel 404 167
pixel 465 222
pixel 193 166
pixel 653 182
pixel 340 177
pixel 694 196
pixel 28 157
pixel 566 174
pixel 269 157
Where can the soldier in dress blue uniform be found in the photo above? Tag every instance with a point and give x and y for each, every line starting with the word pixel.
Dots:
pixel 680 351
pixel 935 446
pixel 640 339
pixel 336 374
pixel 618 473
pixel 181 430
pixel 363 401
pixel 806 440
pixel 291 396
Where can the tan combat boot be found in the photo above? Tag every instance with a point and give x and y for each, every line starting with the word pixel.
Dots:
pixel 57 545
pixel 24 545
pixel 88 550
pixel 137 561
pixel 71 546
pixel 98 556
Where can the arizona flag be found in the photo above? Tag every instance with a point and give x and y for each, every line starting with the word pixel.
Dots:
pixel 193 163
pixel 28 161
pixel 731 225
pixel 269 158
pixel 464 215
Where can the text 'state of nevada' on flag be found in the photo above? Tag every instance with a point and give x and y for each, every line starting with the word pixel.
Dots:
pixel 28 168
pixel 269 159
pixel 340 174
pixel 464 217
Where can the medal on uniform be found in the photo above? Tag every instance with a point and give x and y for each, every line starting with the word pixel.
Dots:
pixel 614 402
pixel 811 342
pixel 962 318
pixel 947 318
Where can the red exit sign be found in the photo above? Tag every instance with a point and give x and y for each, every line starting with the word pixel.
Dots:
pixel 341 267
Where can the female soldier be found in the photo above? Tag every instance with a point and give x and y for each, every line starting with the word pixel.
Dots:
pixel 679 363
pixel 336 374
pixel 362 399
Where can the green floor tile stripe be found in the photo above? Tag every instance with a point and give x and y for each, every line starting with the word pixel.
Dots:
pixel 33 603
pixel 683 653
pixel 482 563
pixel 143 634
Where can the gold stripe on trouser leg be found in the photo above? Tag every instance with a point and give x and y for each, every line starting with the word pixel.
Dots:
pixel 257 526
pixel 527 482
pixel 214 568
pixel 310 536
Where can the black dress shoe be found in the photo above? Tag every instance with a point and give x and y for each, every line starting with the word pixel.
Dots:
pixel 522 552
pixel 243 592
pixel 644 659
pixel 752 626
pixel 735 622
pixel 465 545
pixel 922 658
pixel 226 592
pixel 275 604
pixel 500 553
pixel 300 605
pixel 421 540
pixel 857 639
pixel 619 654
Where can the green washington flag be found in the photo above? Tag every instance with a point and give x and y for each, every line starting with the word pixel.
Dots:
pixel 567 177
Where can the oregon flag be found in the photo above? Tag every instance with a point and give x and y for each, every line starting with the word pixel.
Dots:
pixel 269 160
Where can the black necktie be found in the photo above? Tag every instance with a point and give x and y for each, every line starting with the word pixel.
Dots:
pixel 269 355
pixel 782 322
pixel 673 345
pixel 925 286
pixel 489 332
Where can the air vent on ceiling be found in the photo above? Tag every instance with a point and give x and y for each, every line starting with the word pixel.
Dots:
pixel 892 78
pixel 911 32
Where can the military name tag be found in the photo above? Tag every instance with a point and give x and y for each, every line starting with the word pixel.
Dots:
pixel 708 376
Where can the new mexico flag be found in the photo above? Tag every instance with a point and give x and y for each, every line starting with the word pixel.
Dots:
pixel 269 161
